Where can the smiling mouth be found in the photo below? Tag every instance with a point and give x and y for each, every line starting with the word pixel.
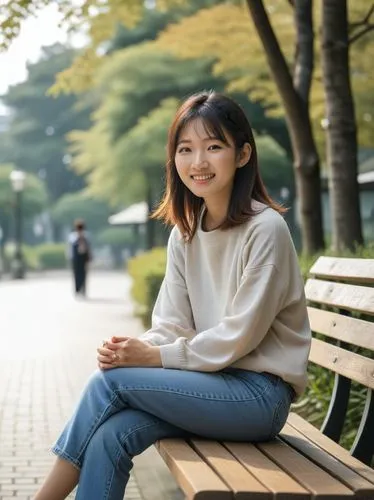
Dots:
pixel 206 177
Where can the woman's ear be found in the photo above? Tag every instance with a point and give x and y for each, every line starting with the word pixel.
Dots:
pixel 245 155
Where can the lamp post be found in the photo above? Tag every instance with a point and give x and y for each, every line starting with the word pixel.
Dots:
pixel 17 179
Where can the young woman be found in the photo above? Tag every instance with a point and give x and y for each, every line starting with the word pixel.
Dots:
pixel 230 336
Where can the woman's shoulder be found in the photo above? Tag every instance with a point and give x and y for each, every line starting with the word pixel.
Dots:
pixel 176 236
pixel 176 241
pixel 267 239
pixel 266 220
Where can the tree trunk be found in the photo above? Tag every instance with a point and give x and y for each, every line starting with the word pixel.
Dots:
pixel 341 129
pixel 295 100
pixel 304 54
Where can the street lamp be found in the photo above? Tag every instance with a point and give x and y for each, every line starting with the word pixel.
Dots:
pixel 17 179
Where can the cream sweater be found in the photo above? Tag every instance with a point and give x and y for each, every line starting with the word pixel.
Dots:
pixel 234 298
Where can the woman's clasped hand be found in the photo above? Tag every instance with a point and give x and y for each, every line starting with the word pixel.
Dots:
pixel 118 352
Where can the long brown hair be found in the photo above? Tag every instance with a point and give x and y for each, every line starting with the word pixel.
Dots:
pixel 219 114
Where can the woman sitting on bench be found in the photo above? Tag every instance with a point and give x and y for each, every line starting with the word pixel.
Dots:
pixel 228 348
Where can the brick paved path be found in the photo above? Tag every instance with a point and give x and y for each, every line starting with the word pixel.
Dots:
pixel 48 345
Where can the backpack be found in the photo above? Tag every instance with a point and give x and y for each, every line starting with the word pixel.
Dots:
pixel 81 249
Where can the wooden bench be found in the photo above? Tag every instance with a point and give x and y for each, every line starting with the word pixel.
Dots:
pixel 303 462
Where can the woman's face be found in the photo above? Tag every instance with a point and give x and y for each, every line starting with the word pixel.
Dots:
pixel 205 164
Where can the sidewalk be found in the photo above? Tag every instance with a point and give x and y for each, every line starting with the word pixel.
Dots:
pixel 49 342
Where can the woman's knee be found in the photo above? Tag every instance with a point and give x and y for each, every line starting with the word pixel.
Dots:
pixel 99 389
pixel 106 442
pixel 125 434
pixel 100 379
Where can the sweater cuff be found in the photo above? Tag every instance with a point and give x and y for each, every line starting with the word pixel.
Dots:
pixel 173 356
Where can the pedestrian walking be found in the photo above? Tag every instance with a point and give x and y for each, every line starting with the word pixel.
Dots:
pixel 80 255
pixel 230 335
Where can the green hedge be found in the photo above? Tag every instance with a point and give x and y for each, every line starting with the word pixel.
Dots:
pixel 51 256
pixel 40 257
pixel 147 271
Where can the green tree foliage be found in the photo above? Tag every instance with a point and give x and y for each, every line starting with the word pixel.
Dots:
pixel 117 236
pixel 101 16
pixel 80 205
pixel 142 150
pixel 275 165
pixel 116 29
pixel 133 83
pixel 220 28
pixel 35 140
pixel 35 197
pixel 126 144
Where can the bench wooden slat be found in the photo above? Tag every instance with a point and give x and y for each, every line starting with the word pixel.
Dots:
pixel 317 481
pixel 337 469
pixel 231 471
pixel 196 478
pixel 350 297
pixel 338 360
pixel 267 472
pixel 330 446
pixel 345 269
pixel 354 331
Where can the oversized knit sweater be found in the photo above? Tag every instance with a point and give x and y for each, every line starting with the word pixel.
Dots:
pixel 234 298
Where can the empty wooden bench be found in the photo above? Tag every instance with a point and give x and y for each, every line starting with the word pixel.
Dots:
pixel 303 462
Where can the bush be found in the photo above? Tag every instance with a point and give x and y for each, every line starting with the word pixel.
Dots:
pixel 147 271
pixel 51 256
pixel 316 400
pixel 30 254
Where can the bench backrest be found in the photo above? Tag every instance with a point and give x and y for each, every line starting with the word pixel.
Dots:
pixel 343 292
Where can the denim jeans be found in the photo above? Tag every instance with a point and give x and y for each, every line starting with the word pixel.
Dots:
pixel 124 410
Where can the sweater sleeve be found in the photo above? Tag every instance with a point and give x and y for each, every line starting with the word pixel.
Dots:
pixel 258 300
pixel 252 312
pixel 172 316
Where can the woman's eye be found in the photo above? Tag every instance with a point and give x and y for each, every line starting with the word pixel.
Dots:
pixel 214 146
pixel 183 150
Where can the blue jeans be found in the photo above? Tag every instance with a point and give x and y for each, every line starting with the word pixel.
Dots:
pixel 124 410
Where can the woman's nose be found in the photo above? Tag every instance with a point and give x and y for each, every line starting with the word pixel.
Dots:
pixel 199 162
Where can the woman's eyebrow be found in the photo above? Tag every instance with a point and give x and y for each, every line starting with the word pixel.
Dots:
pixel 188 141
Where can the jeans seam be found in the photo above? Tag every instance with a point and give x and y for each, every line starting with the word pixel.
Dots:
pixel 264 391
pixel 123 438
pixel 189 394
pixel 281 403
pixel 94 426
